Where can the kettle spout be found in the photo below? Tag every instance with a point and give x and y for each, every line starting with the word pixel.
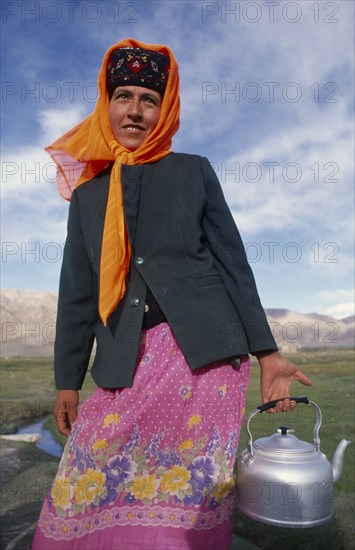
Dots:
pixel 337 461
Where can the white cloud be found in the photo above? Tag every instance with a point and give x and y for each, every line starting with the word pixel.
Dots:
pixel 336 295
pixel 32 209
pixel 55 122
pixel 316 155
pixel 340 311
pixel 338 303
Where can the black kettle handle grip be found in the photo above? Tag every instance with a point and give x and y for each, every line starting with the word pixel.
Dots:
pixel 271 404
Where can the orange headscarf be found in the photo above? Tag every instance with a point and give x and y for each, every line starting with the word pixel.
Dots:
pixel 90 146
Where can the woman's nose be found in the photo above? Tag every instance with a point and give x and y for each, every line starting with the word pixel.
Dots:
pixel 135 109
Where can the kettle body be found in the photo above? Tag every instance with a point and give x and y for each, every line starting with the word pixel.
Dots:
pixel 284 481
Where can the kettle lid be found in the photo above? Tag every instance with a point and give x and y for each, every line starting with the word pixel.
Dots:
pixel 282 441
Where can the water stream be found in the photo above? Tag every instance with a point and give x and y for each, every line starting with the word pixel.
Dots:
pixel 47 443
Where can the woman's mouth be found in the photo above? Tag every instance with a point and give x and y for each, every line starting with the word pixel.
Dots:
pixel 133 128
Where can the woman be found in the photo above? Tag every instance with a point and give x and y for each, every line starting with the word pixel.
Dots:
pixel 155 270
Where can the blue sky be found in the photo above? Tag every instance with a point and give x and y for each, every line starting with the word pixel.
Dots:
pixel 266 91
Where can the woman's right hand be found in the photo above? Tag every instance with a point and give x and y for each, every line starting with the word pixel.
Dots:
pixel 66 410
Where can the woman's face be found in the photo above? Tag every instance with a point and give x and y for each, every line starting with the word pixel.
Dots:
pixel 134 113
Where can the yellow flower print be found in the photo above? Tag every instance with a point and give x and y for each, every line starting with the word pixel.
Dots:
pixel 99 444
pixel 175 480
pixel 222 391
pixel 222 489
pixel 193 420
pixel 61 492
pixel 145 487
pixel 89 486
pixel 112 418
pixel 186 444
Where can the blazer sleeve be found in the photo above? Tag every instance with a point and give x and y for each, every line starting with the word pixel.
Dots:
pixel 226 245
pixel 77 308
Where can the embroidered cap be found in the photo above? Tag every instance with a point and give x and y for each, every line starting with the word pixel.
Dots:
pixel 137 67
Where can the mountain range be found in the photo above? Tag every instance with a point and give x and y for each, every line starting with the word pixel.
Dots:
pixel 28 326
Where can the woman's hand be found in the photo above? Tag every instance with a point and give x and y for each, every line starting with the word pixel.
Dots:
pixel 66 410
pixel 276 375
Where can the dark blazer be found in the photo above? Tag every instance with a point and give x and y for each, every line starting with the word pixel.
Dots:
pixel 185 248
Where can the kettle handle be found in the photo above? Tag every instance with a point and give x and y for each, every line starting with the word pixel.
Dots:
pixel 266 406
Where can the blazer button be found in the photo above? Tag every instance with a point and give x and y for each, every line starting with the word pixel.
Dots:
pixel 139 260
pixel 134 302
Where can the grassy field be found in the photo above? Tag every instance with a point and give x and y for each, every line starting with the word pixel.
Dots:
pixel 27 393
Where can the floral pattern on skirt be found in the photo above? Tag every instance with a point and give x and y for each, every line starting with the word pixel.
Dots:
pixel 151 466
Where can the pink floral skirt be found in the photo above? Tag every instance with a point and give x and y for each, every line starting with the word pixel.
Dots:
pixel 151 467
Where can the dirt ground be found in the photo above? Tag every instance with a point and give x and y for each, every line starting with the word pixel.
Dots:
pixel 25 475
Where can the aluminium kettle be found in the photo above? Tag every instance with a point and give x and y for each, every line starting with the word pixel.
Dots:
pixel 284 481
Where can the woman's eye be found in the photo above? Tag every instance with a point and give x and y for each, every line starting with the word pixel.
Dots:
pixel 151 100
pixel 120 95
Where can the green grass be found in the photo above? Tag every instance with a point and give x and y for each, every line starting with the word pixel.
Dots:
pixel 28 393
